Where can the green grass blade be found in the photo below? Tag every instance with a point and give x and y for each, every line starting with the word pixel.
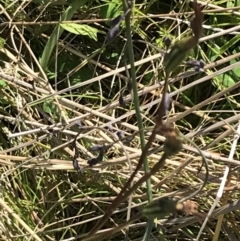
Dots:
pixel 137 108
pixel 67 15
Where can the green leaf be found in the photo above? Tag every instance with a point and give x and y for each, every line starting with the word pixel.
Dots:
pixel 231 77
pixel 230 43
pixel 47 107
pixel 114 55
pixel 236 71
pixel 225 80
pixel 56 34
pixel 111 10
pixel 2 83
pixel 233 3
pixel 2 42
pixel 82 29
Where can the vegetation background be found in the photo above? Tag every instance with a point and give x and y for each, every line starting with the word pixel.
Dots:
pixel 58 70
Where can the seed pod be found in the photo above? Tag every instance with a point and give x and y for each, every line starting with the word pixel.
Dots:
pixel 122 102
pixel 160 208
pixel 167 102
pixel 97 159
pixel 167 41
pixel 113 33
pixel 196 68
pixel 76 165
pixel 120 134
pixel 92 162
pixel 193 63
pixel 96 148
pixel 202 63
pixel 117 20
pixel 130 4
pixel 178 53
pixel 110 127
pixel 188 207
pixel 129 85
pixel 180 50
pixel 172 145
pixel 79 124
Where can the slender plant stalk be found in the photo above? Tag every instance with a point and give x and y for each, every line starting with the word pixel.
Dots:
pixel 173 144
pixel 137 108
pixel 144 147
pixel 135 91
